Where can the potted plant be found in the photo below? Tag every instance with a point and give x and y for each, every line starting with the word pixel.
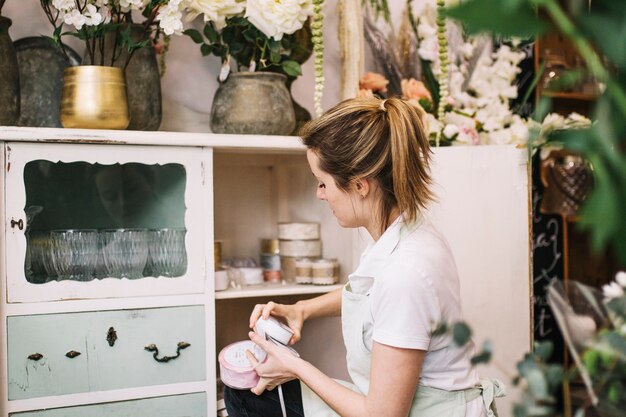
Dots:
pixel 119 50
pixel 265 42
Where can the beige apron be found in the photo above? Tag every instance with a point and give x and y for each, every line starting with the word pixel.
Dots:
pixel 428 401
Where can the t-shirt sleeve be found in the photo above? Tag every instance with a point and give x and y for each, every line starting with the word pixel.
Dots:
pixel 405 308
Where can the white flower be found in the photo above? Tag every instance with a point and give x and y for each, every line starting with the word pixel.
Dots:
pixel 64 5
pixel 215 11
pixel 170 18
pixel 277 18
pixel 613 290
pixel 92 16
pixel 433 125
pixel 450 131
pixel 620 278
pixel 128 5
pixel 429 49
pixel 75 19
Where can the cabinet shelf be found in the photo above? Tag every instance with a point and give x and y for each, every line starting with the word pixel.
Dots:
pixel 274 290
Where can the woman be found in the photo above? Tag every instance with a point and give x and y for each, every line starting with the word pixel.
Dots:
pixel 371 161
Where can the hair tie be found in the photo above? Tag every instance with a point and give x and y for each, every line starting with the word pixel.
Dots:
pixel 382 105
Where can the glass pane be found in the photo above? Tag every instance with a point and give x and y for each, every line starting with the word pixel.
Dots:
pixel 89 221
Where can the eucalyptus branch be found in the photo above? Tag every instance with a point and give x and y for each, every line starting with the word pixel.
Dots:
pixel 586 51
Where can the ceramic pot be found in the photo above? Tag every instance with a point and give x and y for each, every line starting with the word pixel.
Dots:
pixel 9 77
pixel 94 97
pixel 253 103
pixel 143 81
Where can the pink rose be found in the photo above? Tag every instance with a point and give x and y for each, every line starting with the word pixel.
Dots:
pixel 373 81
pixel 415 89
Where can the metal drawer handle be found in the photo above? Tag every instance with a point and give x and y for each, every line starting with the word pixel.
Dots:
pixel 72 354
pixel 111 336
pixel 35 356
pixel 19 223
pixel 153 348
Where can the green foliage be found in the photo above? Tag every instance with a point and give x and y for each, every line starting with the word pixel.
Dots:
pixel 597 30
pixel 247 45
pixel 505 17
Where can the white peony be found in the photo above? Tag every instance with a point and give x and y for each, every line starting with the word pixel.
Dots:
pixel 277 18
pixel 215 11
pixel 620 278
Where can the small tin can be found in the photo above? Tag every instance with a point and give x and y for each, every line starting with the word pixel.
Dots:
pixel 272 276
pixel 304 271
pixel 270 246
pixel 325 272
pixel 270 261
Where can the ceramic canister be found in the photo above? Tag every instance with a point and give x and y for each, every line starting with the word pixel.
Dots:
pixel 236 371
pixel 298 231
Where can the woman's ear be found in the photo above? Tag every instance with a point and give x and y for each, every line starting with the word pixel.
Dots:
pixel 363 187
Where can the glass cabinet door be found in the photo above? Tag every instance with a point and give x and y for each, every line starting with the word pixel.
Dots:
pixel 94 221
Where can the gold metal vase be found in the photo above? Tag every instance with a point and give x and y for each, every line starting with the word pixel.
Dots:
pixel 94 97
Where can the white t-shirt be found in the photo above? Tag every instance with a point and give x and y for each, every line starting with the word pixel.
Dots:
pixel 413 284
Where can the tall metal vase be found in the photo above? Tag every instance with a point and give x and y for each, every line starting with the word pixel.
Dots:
pixel 143 81
pixel 9 77
pixel 253 103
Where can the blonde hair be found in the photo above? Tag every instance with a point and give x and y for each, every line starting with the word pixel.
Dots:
pixel 381 140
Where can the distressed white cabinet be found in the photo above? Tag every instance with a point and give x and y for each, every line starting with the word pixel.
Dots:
pixel 106 245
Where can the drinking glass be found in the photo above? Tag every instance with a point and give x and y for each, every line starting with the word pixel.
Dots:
pixel 125 252
pixel 168 256
pixel 74 253
pixel 38 249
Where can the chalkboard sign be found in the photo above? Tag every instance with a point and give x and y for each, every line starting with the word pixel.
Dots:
pixel 547 265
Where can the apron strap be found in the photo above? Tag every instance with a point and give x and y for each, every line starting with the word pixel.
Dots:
pixel 491 389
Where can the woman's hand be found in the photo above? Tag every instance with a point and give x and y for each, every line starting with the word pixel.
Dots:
pixel 293 314
pixel 276 369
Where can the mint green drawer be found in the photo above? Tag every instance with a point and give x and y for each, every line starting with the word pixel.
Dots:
pixel 100 366
pixel 188 405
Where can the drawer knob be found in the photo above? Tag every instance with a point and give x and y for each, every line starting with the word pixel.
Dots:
pixel 153 348
pixel 111 336
pixel 35 356
pixel 19 223
pixel 72 354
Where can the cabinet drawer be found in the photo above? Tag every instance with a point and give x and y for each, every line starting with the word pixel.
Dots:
pixel 100 366
pixel 188 405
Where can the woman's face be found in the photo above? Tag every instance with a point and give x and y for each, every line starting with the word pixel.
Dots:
pixel 345 206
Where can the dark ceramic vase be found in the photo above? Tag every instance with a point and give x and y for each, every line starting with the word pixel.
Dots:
pixel 253 103
pixel 9 77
